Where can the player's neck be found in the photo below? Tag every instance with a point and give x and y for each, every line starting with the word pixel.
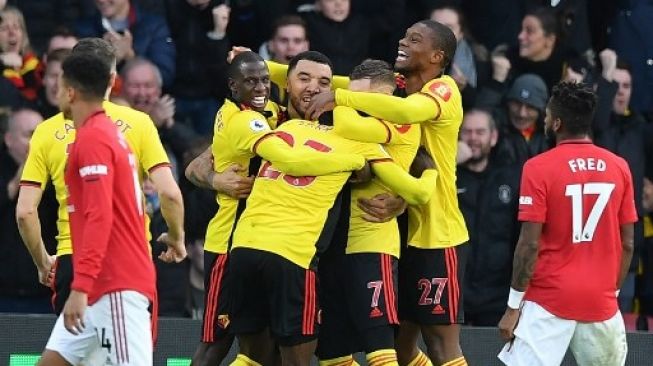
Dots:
pixel 82 111
pixel 416 80
pixel 564 137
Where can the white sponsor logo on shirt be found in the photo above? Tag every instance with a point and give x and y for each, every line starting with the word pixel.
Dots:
pixel 525 200
pixel 93 170
pixel 70 208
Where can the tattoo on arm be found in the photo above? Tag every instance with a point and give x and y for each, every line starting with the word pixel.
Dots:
pixel 525 255
pixel 200 170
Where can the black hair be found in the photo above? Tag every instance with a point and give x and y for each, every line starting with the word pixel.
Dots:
pixel 442 38
pixel 574 104
pixel 241 59
pixel 98 47
pixel 314 56
pixel 378 71
pixel 548 20
pixel 58 55
pixel 623 65
pixel 286 20
pixel 88 74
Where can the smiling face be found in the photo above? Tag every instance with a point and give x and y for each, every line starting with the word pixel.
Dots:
pixel 534 43
pixel 288 41
pixel 142 88
pixel 304 81
pixel 12 32
pixel 416 50
pixel 477 132
pixel 252 86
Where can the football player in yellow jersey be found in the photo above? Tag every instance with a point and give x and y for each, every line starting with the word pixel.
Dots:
pixel 432 266
pixel 46 162
pixel 359 289
pixel 238 125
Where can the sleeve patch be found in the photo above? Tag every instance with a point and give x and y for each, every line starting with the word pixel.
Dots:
pixel 258 125
pixel 441 89
pixel 402 128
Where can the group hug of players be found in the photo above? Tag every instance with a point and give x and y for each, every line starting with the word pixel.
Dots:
pixel 307 263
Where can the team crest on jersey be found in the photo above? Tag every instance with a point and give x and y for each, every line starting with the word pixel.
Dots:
pixel 258 125
pixel 505 193
pixel 441 89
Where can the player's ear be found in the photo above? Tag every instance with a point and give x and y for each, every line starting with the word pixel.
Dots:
pixel 557 123
pixel 437 57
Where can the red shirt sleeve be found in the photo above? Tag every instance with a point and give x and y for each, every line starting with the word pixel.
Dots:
pixel 532 196
pixel 96 170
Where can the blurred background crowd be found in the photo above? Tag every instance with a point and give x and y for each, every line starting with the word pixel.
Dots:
pixel 172 62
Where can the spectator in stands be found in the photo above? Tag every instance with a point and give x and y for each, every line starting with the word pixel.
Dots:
pixel 19 64
pixel 62 38
pixel 198 29
pixel 520 118
pixel 627 134
pixel 20 290
pixel 47 103
pixel 494 25
pixel 488 192
pixel 288 39
pixel 132 32
pixel 471 60
pixel 342 36
pixel 142 89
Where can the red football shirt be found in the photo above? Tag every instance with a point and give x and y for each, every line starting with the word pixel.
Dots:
pixel 582 194
pixel 110 251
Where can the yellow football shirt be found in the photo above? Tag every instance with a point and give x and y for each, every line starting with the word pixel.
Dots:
pixel 234 134
pixel 401 142
pixel 439 223
pixel 48 153
pixel 285 215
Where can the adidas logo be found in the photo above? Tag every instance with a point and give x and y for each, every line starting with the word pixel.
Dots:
pixel 438 310
pixel 375 313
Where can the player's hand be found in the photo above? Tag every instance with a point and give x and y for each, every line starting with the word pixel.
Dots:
pixel 362 175
pixel 508 323
pixel 73 312
pixel 382 207
pixel 46 271
pixel 422 161
pixel 235 51
pixel 232 182
pixel 320 103
pixel 176 251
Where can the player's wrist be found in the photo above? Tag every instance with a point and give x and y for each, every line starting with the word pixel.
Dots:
pixel 515 298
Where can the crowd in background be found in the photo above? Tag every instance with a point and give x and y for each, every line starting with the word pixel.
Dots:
pixel 172 62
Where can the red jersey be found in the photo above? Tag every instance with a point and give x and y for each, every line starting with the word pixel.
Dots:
pixel 106 214
pixel 581 194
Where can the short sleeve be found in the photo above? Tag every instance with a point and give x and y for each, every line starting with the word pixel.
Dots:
pixel 152 154
pixel 36 172
pixel 445 93
pixel 532 196
pixel 245 128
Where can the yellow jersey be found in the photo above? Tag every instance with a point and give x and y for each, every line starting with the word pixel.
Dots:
pixel 48 152
pixel 285 214
pixel 438 108
pixel 235 131
pixel 401 142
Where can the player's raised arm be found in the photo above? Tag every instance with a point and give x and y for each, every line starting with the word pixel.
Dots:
pixel 348 123
pixel 416 191
pixel 293 161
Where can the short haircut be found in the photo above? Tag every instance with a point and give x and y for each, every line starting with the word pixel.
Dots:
pixel 101 49
pixel 58 55
pixel 623 65
pixel 242 58
pixel 547 18
pixel 140 61
pixel 286 20
pixel 574 104
pixel 88 74
pixel 442 38
pixel 313 56
pixel 379 72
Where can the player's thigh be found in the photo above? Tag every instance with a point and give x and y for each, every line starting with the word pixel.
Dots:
pixel 123 326
pixel 249 304
pixel 73 348
pixel 292 301
pixel 541 338
pixel 216 297
pixel 430 285
pixel 600 343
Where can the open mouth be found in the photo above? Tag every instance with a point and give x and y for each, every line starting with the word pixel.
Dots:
pixel 258 102
pixel 401 56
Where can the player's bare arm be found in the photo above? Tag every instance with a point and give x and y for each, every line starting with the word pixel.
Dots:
pixel 172 209
pixel 29 226
pixel 627 246
pixel 523 267
pixel 231 182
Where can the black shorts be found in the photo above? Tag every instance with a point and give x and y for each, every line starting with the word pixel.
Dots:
pixel 358 293
pixel 271 291
pixel 430 285
pixel 63 279
pixel 215 322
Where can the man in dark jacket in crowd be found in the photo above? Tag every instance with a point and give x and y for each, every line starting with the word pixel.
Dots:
pixel 488 192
